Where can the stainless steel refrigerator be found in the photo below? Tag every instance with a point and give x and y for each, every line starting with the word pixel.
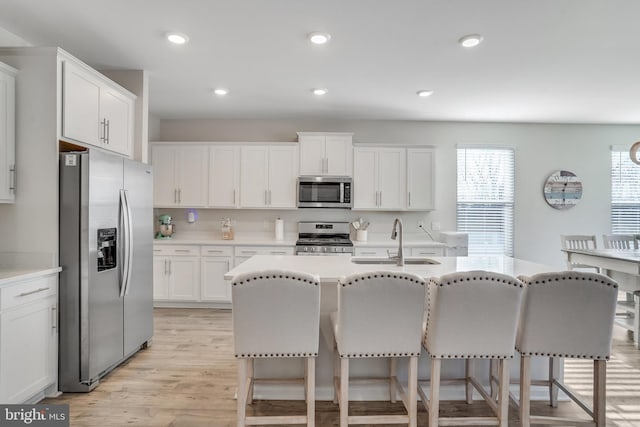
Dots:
pixel 106 247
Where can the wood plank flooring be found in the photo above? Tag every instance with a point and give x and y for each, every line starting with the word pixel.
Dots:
pixel 187 378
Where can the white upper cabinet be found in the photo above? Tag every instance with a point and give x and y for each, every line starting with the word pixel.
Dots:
pixel 420 179
pixel 379 178
pixel 180 175
pixel 327 154
pixel 95 110
pixel 268 176
pixel 224 176
pixel 7 134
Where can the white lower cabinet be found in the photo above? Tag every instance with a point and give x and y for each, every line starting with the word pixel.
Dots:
pixel 215 262
pixel 176 273
pixel 28 339
pixel 243 253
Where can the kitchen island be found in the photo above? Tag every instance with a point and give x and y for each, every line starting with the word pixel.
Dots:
pixel 330 269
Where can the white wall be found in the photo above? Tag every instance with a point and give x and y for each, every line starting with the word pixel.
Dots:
pixel 540 150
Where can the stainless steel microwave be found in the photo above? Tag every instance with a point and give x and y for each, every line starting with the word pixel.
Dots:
pixel 324 192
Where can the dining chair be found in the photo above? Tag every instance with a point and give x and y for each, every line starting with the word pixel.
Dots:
pixel 276 314
pixel 578 241
pixel 380 315
pixel 620 241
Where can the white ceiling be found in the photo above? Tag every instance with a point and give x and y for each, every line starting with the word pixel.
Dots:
pixel 558 61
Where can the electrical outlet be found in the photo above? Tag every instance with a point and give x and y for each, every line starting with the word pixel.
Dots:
pixel 435 226
pixel 421 224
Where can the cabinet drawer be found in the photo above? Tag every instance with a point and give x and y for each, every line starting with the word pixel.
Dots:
pixel 432 251
pixel 27 291
pixel 247 251
pixel 377 252
pixel 174 250
pixel 216 251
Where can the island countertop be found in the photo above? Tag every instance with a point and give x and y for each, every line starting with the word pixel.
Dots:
pixel 331 268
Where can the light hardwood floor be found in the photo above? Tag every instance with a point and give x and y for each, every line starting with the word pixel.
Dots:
pixel 187 378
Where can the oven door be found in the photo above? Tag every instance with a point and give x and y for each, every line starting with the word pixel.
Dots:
pixel 324 192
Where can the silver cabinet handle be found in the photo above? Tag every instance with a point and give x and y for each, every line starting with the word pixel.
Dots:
pixel 377 198
pixel 234 197
pixel 24 294
pixel 380 199
pixel 103 130
pixel 265 198
pixel 54 318
pixel 367 253
pixel 409 204
pixel 13 178
pixel 175 195
pixel 214 252
pixel 248 252
pixel 269 197
pixel 179 195
pixel 108 132
pixel 278 252
pixel 166 267
pixel 182 251
pixel 169 267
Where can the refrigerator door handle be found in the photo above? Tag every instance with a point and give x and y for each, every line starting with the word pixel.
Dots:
pixel 126 217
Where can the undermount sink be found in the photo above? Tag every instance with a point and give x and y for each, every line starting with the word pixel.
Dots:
pixel 389 261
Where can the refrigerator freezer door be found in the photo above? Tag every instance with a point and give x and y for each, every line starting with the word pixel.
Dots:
pixel 101 307
pixel 138 301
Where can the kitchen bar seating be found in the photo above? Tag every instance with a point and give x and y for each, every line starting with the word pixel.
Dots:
pixel 380 314
pixel 545 329
pixel 267 324
pixel 471 315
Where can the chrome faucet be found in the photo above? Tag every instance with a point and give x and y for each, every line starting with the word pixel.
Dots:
pixel 397 223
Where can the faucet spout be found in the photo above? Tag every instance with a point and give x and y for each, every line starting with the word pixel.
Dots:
pixel 397 226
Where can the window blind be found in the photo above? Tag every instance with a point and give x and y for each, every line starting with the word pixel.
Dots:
pixel 625 193
pixel 485 196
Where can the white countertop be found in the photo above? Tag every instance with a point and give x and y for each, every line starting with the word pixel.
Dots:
pixel 330 268
pixel 267 239
pixel 9 276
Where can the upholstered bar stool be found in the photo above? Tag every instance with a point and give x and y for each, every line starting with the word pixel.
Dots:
pixel 380 314
pixel 546 329
pixel 275 313
pixel 471 315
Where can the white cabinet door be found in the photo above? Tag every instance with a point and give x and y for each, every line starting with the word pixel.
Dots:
pixel 180 175
pixel 28 340
pixel 420 179
pixel 283 174
pixel 326 153
pixel 214 287
pixel 224 176
pixel 184 278
pixel 193 175
pixel 391 178
pixel 7 135
pixel 312 154
pixel 81 105
pixel 116 119
pixel 165 192
pixel 160 278
pixel 427 251
pixel 254 176
pixel 338 152
pixel 365 178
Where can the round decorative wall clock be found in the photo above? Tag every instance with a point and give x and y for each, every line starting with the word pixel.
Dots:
pixel 562 190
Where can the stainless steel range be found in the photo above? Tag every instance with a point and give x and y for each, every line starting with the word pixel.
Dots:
pixel 323 238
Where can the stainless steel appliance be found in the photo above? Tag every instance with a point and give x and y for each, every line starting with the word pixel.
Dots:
pixel 324 192
pixel 106 246
pixel 323 238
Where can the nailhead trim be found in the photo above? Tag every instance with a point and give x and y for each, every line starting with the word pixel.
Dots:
pixel 352 280
pixel 468 356
pixel 569 356
pixel 276 355
pixel 361 355
pixel 275 276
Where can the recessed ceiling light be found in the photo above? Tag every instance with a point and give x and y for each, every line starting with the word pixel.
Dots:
pixel 319 38
pixel 424 93
pixel 320 91
pixel 470 40
pixel 220 91
pixel 177 38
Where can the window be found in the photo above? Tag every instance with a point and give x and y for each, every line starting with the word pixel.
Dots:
pixel 625 193
pixel 485 199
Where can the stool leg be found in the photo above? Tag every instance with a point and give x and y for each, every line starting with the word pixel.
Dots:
pixel 242 392
pixel 493 377
pixel 600 392
pixel 344 392
pixel 525 390
pixel 336 374
pixel 310 391
pixel 393 375
pixel 469 367
pixel 434 397
pixel 412 393
pixel 554 373
pixel 250 362
pixel 503 393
